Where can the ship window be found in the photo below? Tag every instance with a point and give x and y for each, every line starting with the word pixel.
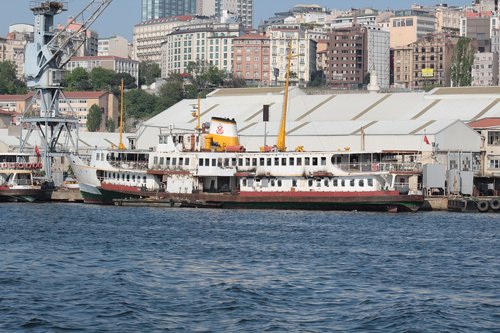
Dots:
pixel 327 183
pixel 128 178
pixel 280 182
pixel 133 178
pixel 269 161
pixel 310 183
pixel 352 182
pixel 226 162
pixel 307 160
pixel 370 181
pixel 181 160
pixel 123 176
pixel 114 175
pixel 291 160
pixel 240 162
pixel 261 161
pixel 247 161
pixel 323 161
pixel 283 161
pixel 318 183
pixel 186 161
pixel 174 161
pixel 254 161
pixel 276 161
pixel 335 182
pixel 361 183
pixel 294 182
pixel 299 161
pixel 342 183
pixel 161 160
pixel 250 182
pixel 144 179
pixel 272 182
pixel 219 162
pixel 155 160
pixel 167 162
pixel 243 182
pixel 233 161
pixel 214 162
pixel 200 162
pixel 315 161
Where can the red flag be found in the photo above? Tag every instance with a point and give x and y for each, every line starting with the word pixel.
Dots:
pixel 37 151
pixel 426 140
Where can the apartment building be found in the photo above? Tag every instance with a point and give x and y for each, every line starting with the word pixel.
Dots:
pixel 150 35
pixel 156 9
pixel 408 26
pixel 252 60
pixel 303 46
pixel 204 41
pixel 485 69
pixel 113 46
pixel 424 63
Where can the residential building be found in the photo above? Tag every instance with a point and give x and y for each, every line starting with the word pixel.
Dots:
pixel 348 57
pixel 252 60
pixel 12 47
pixel 243 9
pixel 208 42
pixel 150 35
pixel 408 26
pixel 303 47
pixel 113 46
pixel 80 102
pixel 424 63
pixel 365 16
pixel 485 69
pixel 489 129
pixel 157 9
pixel 448 19
pixel 91 39
pixel 116 64
pixel 15 103
pixel 478 26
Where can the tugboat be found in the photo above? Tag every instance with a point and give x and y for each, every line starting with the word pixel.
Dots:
pixel 17 183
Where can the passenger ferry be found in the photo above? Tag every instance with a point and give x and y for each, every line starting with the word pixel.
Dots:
pixel 223 174
pixel 17 182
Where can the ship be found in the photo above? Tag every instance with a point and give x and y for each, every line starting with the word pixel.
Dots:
pixel 17 181
pixel 208 167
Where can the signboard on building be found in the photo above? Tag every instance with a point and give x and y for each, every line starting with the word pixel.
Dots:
pixel 427 72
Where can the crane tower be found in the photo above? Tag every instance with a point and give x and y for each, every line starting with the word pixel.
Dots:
pixel 44 72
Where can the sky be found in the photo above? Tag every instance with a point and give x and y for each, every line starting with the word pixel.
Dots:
pixel 121 16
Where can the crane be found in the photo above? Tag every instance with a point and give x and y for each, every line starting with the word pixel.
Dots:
pixel 44 72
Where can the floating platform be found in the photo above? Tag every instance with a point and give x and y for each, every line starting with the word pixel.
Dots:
pixel 474 204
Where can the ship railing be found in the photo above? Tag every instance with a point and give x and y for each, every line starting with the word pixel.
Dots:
pixel 380 167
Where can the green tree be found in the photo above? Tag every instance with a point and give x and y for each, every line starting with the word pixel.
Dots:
pixel 318 79
pixel 171 92
pixel 461 63
pixel 141 105
pixel 78 80
pixel 9 83
pixel 110 126
pixel 149 71
pixel 94 118
pixel 102 78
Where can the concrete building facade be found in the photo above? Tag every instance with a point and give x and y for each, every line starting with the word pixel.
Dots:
pixel 113 46
pixel 156 9
pixel 485 69
pixel 303 65
pixel 407 26
pixel 378 48
pixel 252 60
pixel 205 41
pixel 348 57
pixel 150 35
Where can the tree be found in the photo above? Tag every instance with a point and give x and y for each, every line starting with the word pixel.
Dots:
pixel 94 118
pixel 110 126
pixel 461 63
pixel 172 91
pixel 318 79
pixel 141 105
pixel 102 78
pixel 78 80
pixel 148 72
pixel 9 83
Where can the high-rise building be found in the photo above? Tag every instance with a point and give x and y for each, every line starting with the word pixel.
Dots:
pixel 155 9
pixel 243 9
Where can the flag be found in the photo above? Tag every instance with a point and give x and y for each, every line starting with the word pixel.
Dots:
pixel 37 151
pixel 426 140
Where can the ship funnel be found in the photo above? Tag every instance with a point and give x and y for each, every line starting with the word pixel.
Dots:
pixel 222 135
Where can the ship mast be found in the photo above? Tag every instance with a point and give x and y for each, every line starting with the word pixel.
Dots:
pixel 281 144
pixel 121 146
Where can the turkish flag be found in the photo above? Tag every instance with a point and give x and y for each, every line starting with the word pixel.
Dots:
pixel 426 140
pixel 37 151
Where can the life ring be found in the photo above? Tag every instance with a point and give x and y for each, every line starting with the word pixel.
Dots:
pixel 495 204
pixel 4 165
pixel 375 166
pixel 20 165
pixel 483 206
pixel 38 166
pixel 29 166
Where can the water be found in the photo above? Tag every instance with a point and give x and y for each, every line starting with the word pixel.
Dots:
pixel 68 267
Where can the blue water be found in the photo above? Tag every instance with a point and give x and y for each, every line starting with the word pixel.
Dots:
pixel 72 267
